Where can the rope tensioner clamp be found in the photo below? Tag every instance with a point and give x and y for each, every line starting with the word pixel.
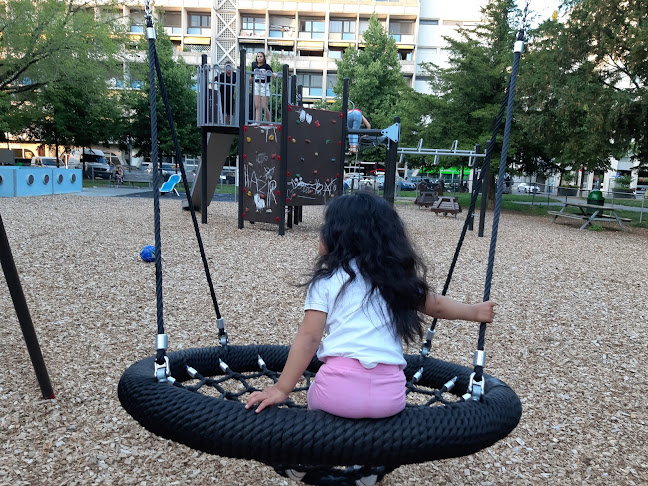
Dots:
pixel 162 371
pixel 476 389
pixel 427 345
pixel 222 334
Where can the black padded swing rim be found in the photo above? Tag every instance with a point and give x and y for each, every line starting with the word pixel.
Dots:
pixel 297 436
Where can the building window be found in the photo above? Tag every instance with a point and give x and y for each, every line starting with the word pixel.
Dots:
pixel 364 25
pixel 342 29
pixel 405 54
pixel 312 84
pixel 399 29
pixel 281 51
pixel 331 82
pixel 336 52
pixel 253 26
pixel 428 21
pixel 199 24
pixel 311 29
pixel 282 27
pixel 137 22
pixel 173 23
pixel 305 53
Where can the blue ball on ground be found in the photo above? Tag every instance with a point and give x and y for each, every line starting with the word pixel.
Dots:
pixel 148 253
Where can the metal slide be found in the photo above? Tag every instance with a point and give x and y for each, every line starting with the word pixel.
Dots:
pixel 218 145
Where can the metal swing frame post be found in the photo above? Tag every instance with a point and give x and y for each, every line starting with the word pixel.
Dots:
pixel 24 318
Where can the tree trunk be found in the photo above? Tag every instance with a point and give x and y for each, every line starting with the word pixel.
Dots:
pixel 491 191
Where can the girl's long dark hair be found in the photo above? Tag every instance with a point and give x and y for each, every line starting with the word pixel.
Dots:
pixel 367 229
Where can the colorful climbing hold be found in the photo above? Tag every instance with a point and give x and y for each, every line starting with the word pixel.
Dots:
pixel 249 193
pixel 307 140
pixel 317 123
pixel 249 139
pixel 316 154
pixel 271 138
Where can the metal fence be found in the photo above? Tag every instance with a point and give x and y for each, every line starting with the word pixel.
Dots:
pixel 219 102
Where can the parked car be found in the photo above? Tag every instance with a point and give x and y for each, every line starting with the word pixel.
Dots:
pixel 46 162
pixel 95 163
pixel 528 187
pixel 352 181
pixel 167 170
pixel 405 185
pixel 428 182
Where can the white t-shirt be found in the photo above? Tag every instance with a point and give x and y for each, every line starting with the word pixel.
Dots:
pixel 356 327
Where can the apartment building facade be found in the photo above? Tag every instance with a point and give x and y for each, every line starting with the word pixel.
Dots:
pixel 309 36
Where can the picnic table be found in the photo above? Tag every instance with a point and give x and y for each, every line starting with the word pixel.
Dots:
pixel 438 204
pixel 588 213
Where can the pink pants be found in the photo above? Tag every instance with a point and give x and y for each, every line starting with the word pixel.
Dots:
pixel 345 388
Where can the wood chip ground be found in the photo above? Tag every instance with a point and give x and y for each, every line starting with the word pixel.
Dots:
pixel 570 338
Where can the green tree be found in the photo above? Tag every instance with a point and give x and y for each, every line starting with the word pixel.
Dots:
pixel 469 93
pixel 50 73
pixel 568 116
pixel 376 83
pixel 179 81
pixel 612 38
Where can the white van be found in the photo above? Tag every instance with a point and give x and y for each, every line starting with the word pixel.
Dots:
pixel 95 163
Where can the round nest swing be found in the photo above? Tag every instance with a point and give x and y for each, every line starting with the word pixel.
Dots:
pixel 289 435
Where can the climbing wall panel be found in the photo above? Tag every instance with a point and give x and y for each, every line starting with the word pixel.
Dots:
pixel 314 148
pixel 260 174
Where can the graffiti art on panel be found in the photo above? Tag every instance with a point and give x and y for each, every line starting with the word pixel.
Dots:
pixel 260 170
pixel 314 141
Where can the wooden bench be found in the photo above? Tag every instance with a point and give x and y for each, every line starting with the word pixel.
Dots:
pixel 568 215
pixel 132 176
pixel 599 217
pixel 612 218
pixel 446 205
pixel 425 199
pixel 596 214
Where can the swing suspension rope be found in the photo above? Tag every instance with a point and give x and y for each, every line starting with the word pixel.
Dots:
pixel 476 389
pixel 161 361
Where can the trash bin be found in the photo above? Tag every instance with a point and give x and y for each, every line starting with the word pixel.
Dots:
pixel 596 198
